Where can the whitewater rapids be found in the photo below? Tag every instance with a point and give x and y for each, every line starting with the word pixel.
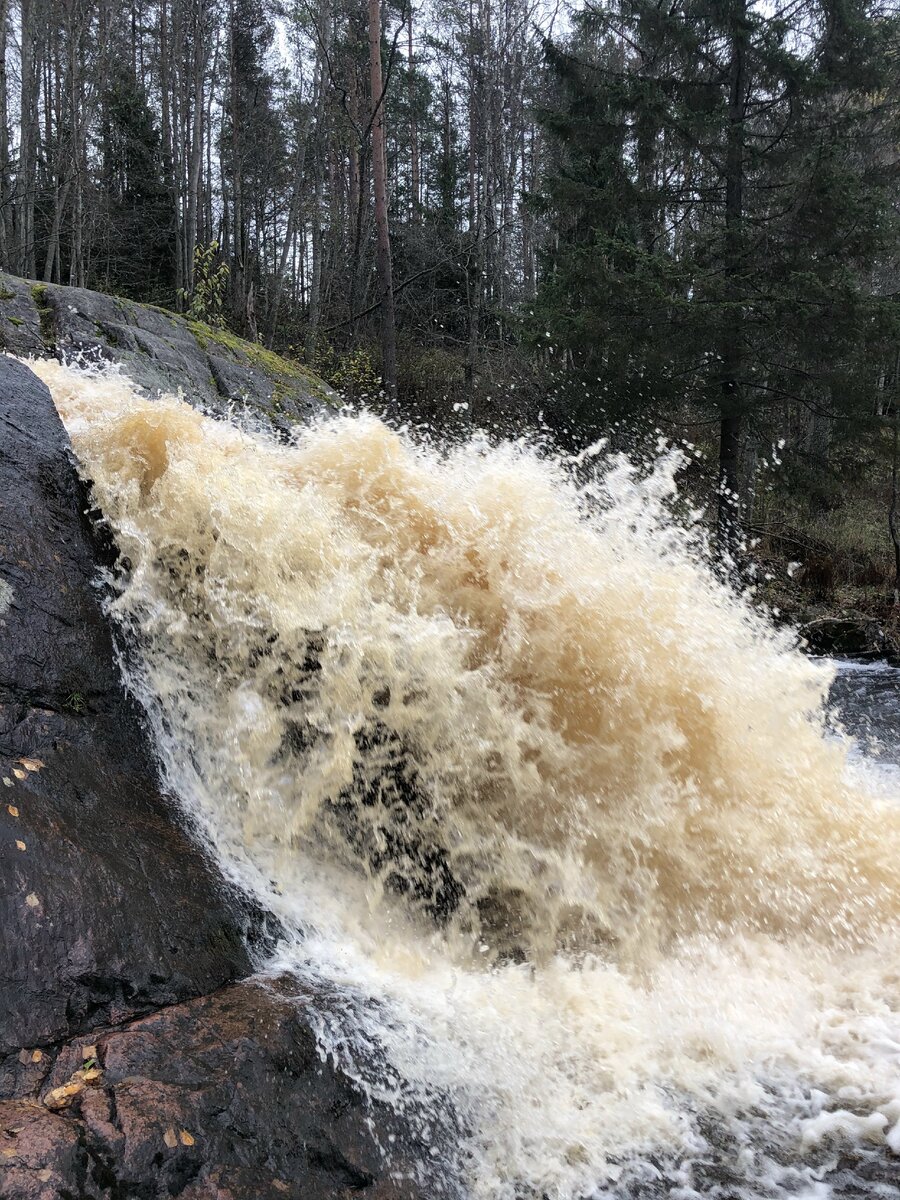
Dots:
pixel 491 738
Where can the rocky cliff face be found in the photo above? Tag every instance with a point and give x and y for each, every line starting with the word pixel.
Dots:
pixel 159 350
pixel 132 1064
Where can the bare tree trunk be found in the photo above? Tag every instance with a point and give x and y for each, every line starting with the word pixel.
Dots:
pixel 25 263
pixel 199 14
pixel 5 198
pixel 208 218
pixel 169 140
pixel 318 169
pixel 379 183
pixel 77 150
pixel 315 282
pixel 290 235
pixel 731 403
pixel 289 238
pixel 475 272
pixel 414 185
pixel 238 269
pixel 51 263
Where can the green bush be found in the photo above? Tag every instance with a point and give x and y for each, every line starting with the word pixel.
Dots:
pixel 205 299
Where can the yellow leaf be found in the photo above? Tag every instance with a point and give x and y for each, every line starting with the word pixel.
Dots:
pixel 12 810
pixel 62 1097
pixel 7 781
pixel 36 1055
pixel 18 774
pixel 90 1075
pixel 31 900
pixel 8 1153
pixel 88 1052
pixel 21 845
pixel 170 1138
pixel 187 1139
pixel 30 764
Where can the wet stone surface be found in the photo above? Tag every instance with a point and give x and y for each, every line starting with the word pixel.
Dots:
pixel 160 351
pixel 223 1096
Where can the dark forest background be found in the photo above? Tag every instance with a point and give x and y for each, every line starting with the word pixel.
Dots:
pixel 673 217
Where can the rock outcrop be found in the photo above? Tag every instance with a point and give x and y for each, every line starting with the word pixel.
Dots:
pixel 159 350
pixel 132 1064
pixel 222 1097
pixel 108 908
pixel 851 635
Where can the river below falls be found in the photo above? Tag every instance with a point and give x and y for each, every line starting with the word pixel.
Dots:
pixel 865 697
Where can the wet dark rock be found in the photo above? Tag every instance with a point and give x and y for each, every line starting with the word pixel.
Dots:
pixel 851 636
pixel 222 1096
pixel 159 350
pixel 108 908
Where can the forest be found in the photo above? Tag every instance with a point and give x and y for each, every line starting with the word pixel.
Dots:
pixel 639 219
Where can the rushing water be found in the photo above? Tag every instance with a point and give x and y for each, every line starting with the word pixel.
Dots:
pixel 865 700
pixel 601 897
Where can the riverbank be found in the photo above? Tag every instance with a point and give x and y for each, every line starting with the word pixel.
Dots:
pixel 833 614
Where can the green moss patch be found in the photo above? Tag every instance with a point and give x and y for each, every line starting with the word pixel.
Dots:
pixel 45 313
pixel 286 375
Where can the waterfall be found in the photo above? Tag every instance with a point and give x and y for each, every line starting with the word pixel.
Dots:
pixel 553 808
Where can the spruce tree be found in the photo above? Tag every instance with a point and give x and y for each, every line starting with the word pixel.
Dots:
pixel 718 199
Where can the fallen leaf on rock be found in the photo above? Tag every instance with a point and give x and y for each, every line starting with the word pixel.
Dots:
pixel 88 1052
pixel 12 810
pixel 170 1138
pixel 62 1097
pixel 7 781
pixel 44 1175
pixel 30 764
pixel 36 1055
pixel 187 1139
pixel 18 774
pixel 31 900
pixel 8 1153
pixel 21 845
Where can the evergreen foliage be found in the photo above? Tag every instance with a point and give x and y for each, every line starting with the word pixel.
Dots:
pixel 722 190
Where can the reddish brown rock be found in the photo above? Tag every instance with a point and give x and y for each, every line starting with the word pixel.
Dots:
pixel 223 1096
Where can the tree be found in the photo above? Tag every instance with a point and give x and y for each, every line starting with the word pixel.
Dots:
pixel 713 232
pixel 135 256
pixel 379 179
